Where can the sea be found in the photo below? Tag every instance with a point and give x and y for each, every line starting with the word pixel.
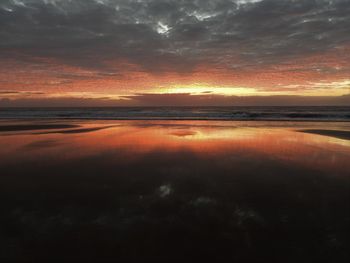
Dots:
pixel 319 113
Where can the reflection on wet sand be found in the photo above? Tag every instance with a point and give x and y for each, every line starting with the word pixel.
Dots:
pixel 175 191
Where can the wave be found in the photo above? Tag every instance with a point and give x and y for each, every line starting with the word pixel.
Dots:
pixel 183 113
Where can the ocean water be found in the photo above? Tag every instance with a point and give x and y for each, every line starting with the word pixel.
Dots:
pixel 326 113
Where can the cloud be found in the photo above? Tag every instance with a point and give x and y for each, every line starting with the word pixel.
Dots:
pixel 128 46
pixel 173 35
pixel 221 100
pixel 12 93
pixel 8 92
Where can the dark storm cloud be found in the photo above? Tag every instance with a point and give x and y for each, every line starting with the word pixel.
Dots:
pixel 172 35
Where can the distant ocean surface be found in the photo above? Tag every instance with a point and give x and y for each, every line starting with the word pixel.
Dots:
pixel 182 113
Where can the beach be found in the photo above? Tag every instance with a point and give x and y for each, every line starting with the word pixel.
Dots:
pixel 174 131
pixel 127 191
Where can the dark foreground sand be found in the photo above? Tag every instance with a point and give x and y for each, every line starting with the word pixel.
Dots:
pixel 57 128
pixel 145 192
pixel 26 127
pixel 345 135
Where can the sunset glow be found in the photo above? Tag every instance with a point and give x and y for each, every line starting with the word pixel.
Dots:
pixel 134 51
pixel 206 89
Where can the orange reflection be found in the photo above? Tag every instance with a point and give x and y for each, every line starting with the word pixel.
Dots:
pixel 220 141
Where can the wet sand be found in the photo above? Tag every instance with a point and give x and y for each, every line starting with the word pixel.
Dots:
pixel 26 127
pixel 345 135
pixel 140 191
pixel 81 130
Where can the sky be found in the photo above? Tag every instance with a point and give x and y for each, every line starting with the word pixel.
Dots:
pixel 174 52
